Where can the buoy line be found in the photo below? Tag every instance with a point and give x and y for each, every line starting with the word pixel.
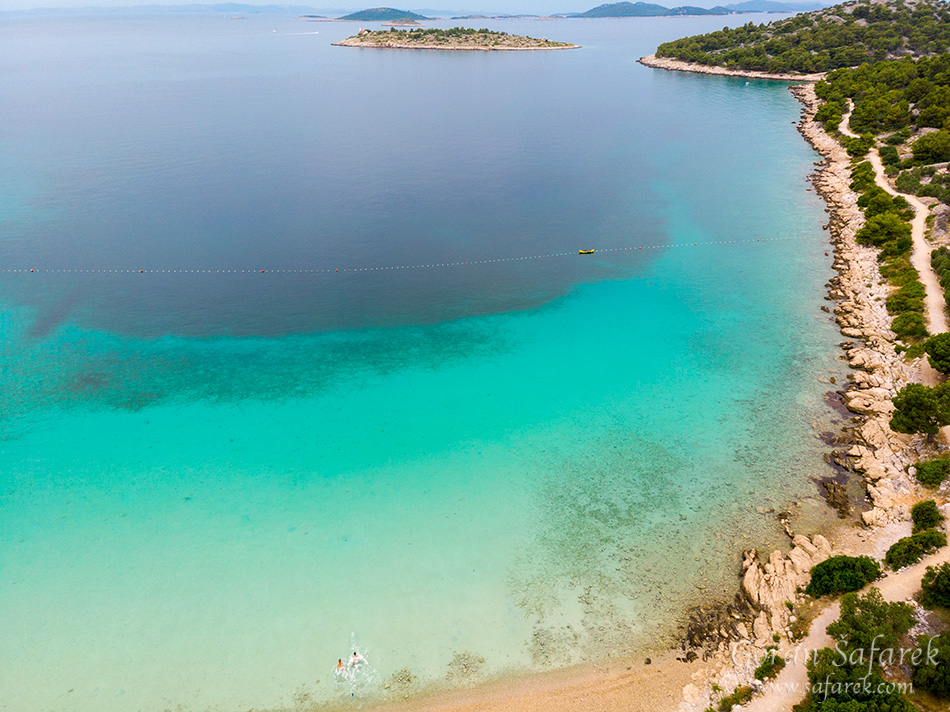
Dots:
pixel 352 270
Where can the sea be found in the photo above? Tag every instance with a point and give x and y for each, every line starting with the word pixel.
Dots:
pixel 300 358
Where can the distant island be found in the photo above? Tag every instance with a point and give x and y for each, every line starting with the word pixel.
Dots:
pixel 383 14
pixel 643 9
pixel 456 38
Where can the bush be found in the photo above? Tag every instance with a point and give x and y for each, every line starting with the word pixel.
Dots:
pixel 771 664
pixel 842 573
pixel 909 298
pixel 852 684
pixel 910 327
pixel 881 228
pixel 932 147
pixel 911 549
pixel 935 587
pixel 918 409
pixel 933 675
pixel 938 351
pixel 742 695
pixel 926 515
pixel 932 473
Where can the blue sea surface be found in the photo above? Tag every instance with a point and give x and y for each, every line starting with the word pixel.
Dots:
pixel 471 451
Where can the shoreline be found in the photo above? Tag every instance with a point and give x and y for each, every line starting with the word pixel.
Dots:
pixel 354 42
pixel 676 65
pixel 868 447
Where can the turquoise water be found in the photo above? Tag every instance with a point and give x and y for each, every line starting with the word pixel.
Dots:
pixel 216 485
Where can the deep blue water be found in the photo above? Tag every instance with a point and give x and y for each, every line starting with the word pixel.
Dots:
pixel 215 481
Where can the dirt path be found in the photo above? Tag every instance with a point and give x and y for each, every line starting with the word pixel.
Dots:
pixel 934 303
pixel 791 684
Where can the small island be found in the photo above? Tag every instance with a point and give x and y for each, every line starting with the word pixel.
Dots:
pixel 456 38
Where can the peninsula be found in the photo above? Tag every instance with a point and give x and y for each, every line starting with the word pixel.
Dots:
pixel 455 38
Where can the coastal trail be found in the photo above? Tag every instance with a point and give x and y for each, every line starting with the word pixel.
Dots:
pixel 790 686
pixel 934 311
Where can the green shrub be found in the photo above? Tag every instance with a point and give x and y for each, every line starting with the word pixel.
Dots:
pixel 889 155
pixel 926 515
pixel 869 618
pixel 910 327
pixel 932 473
pixel 911 549
pixel 909 298
pixel 742 695
pixel 771 664
pixel 935 587
pixel 938 351
pixel 881 228
pixel 932 147
pixel 933 674
pixel 842 573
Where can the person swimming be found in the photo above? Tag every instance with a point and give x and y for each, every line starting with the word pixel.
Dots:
pixel 356 659
pixel 339 666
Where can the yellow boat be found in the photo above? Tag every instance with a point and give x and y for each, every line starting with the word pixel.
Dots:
pixel 585 252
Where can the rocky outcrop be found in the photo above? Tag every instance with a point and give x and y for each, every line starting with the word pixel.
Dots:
pixel 771 584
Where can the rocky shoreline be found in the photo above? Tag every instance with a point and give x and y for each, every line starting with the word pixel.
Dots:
pixel 456 47
pixel 770 598
pixel 676 65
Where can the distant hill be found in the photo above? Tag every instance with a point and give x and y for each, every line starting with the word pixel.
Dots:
pixel 383 14
pixel 770 6
pixel 644 9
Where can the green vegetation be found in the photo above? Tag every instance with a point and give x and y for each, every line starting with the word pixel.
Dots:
pixel 932 473
pixel 452 38
pixel 837 685
pixel 845 35
pixel 920 409
pixel 926 516
pixel 938 352
pixel 771 665
pixel 933 674
pixel 935 587
pixel 940 260
pixel 912 549
pixel 842 573
pixel 383 14
pixel 741 695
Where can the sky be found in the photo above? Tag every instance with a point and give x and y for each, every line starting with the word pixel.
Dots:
pixel 334 7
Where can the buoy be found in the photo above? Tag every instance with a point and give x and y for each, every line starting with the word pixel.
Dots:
pixel 262 271
pixel 338 270
pixel 31 270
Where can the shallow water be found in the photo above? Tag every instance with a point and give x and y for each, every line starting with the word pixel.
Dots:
pixel 217 484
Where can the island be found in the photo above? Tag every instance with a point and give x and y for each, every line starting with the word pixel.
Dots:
pixel 383 14
pixel 455 38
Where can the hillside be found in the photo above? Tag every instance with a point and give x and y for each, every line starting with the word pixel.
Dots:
pixel 844 35
pixel 643 9
pixel 383 14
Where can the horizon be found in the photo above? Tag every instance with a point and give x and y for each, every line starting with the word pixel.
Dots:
pixel 488 7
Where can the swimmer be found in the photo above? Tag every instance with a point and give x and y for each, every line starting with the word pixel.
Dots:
pixel 339 666
pixel 356 659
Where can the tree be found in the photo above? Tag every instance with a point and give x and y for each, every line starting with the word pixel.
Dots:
pixel 933 674
pixel 918 409
pixel 932 148
pixel 926 515
pixel 938 351
pixel 869 620
pixel 935 587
